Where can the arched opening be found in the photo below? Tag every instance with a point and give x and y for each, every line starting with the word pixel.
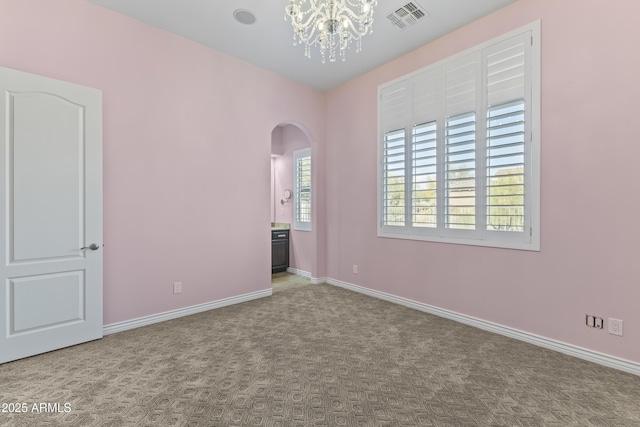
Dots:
pixel 292 201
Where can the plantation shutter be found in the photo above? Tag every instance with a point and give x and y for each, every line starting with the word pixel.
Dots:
pixel 461 96
pixel 461 85
pixel 459 147
pixel 393 175
pixel 506 157
pixel 302 189
pixel 426 106
pixel 506 72
pixel 394 108
pixel 424 195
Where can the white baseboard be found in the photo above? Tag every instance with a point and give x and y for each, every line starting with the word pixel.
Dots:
pixel 568 349
pixel 297 272
pixel 313 280
pixel 181 312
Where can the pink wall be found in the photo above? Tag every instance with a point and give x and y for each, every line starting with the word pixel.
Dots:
pixel 178 208
pixel 286 140
pixel 178 120
pixel 588 262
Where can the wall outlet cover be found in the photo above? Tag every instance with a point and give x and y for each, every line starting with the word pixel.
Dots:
pixel 615 326
pixel 177 287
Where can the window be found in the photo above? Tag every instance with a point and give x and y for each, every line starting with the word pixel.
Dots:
pixel 302 189
pixel 459 147
pixel 394 164
pixel 506 167
pixel 424 202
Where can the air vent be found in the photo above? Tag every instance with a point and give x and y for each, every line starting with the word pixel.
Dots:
pixel 407 15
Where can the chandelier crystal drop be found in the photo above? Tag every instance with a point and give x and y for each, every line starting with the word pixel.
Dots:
pixel 332 25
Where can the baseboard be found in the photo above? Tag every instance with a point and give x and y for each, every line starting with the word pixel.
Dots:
pixel 568 349
pixel 181 312
pixel 299 272
pixel 313 280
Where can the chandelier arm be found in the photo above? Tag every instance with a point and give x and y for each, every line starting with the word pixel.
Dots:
pixel 310 33
pixel 358 17
pixel 355 32
pixel 313 8
pixel 312 37
pixel 351 31
pixel 312 17
pixel 313 5
pixel 361 3
pixel 354 4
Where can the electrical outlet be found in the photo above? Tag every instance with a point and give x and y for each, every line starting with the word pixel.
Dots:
pixel 594 321
pixel 615 326
pixel 177 287
pixel 355 268
pixel 591 321
pixel 599 323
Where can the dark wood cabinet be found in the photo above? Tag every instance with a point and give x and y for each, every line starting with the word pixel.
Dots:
pixel 279 250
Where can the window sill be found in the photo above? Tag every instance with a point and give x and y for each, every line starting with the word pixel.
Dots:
pixel 302 228
pixel 533 246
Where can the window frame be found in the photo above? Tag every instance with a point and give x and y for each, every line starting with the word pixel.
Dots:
pixel 529 238
pixel 299 224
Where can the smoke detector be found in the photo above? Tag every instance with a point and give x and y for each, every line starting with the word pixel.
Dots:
pixel 244 16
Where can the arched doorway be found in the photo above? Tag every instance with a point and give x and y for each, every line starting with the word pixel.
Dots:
pixel 292 196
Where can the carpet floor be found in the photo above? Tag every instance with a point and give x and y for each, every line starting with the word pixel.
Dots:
pixel 314 355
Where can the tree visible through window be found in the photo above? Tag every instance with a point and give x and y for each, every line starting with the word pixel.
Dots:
pixel 506 167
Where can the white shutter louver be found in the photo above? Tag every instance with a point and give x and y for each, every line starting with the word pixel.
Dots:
pixel 393 166
pixel 425 96
pixel 393 107
pixel 506 70
pixel 461 85
pixel 505 162
pixel 460 172
pixel 424 202
pixel 505 167
pixel 461 96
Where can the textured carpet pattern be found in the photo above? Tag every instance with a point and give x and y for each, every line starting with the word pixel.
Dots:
pixel 316 356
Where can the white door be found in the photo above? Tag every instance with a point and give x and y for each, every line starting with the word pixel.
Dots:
pixel 50 208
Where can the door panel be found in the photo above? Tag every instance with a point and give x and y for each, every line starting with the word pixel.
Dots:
pixel 51 208
pixel 47 300
pixel 45 161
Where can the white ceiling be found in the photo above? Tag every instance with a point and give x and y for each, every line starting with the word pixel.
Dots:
pixel 268 42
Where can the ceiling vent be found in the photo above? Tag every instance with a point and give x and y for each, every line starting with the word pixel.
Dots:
pixel 407 15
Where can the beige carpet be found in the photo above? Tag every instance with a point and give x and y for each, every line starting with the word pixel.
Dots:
pixel 315 355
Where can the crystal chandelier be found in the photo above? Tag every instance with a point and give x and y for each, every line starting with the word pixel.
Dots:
pixel 332 25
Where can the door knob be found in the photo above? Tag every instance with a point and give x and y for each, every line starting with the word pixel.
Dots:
pixel 92 246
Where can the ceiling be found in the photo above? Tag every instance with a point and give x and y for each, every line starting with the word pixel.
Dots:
pixel 267 43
